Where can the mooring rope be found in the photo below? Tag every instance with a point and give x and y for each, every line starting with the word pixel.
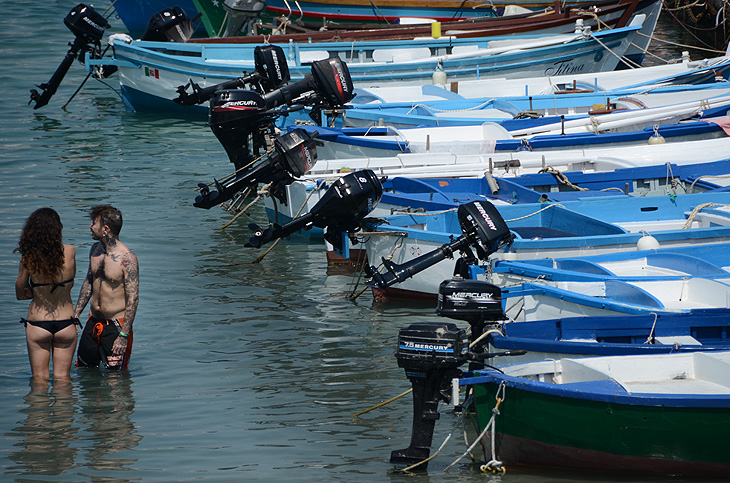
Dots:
pixel 627 61
pixel 707 176
pixel 493 465
pixel 697 209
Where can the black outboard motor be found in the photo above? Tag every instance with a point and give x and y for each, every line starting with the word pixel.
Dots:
pixel 241 119
pixel 474 301
pixel 88 27
pixel 271 72
pixel 170 25
pixel 340 209
pixel 241 15
pixel 294 154
pixel 482 228
pixel 430 353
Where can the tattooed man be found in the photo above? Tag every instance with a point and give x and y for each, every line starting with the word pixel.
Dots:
pixel 112 287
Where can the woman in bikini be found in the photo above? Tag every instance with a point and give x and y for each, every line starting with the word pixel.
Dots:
pixel 45 277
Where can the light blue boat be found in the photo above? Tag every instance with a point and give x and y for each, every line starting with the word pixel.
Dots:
pixel 366 110
pixel 151 72
pixel 569 229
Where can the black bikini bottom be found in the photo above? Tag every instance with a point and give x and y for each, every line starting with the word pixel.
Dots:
pixel 51 326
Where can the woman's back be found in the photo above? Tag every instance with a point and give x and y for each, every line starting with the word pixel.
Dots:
pixel 52 298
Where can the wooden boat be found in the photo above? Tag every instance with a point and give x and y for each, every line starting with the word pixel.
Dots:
pixel 661 169
pixel 389 11
pixel 520 112
pixel 663 414
pixel 151 72
pixel 573 228
pixel 552 18
pixel 136 14
pixel 707 21
pixel 666 124
pixel 587 336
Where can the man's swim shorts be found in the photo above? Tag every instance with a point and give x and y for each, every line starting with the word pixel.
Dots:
pixel 96 342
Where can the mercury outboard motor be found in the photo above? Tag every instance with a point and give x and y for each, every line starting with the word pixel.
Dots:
pixel 271 72
pixel 482 229
pixel 340 209
pixel 294 154
pixel 241 119
pixel 170 25
pixel 474 301
pixel 432 352
pixel 241 15
pixel 88 27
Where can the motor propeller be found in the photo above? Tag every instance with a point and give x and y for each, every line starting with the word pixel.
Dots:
pixel 88 27
pixel 340 209
pixel 294 154
pixel 271 72
pixel 482 229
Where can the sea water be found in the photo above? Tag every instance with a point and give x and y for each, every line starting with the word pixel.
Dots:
pixel 240 371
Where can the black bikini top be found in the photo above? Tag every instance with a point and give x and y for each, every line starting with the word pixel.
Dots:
pixel 53 285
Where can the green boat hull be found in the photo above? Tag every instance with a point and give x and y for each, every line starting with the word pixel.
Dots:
pixel 543 430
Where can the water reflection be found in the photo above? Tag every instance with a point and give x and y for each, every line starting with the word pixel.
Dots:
pixel 48 430
pixel 106 405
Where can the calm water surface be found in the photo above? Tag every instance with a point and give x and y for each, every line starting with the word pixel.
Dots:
pixel 240 371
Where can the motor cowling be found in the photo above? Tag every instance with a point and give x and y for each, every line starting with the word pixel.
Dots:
pixel 334 81
pixel 469 300
pixel 236 116
pixel 272 66
pixel 169 25
pixel 484 226
pixel 425 346
pixel 85 22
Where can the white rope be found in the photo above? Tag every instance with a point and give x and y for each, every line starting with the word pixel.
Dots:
pixel 493 462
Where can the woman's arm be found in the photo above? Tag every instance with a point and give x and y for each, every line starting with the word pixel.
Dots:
pixel 22 285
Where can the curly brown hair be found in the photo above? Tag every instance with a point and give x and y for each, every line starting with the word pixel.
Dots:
pixel 41 244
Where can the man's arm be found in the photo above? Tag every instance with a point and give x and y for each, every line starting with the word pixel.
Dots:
pixel 84 294
pixel 130 267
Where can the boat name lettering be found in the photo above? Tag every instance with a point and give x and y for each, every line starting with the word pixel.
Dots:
pixel 486 217
pixel 564 68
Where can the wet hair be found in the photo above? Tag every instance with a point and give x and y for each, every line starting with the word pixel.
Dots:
pixel 41 244
pixel 109 216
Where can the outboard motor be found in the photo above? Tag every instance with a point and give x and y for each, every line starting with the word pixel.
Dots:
pixel 241 15
pixel 340 209
pixel 474 301
pixel 432 352
pixel 242 118
pixel 88 27
pixel 271 72
pixel 170 25
pixel 294 154
pixel 482 229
